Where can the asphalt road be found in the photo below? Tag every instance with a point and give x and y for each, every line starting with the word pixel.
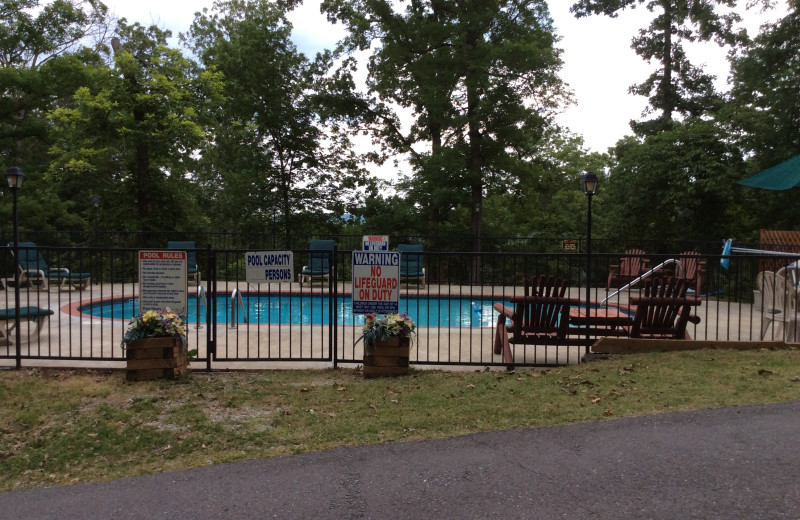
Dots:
pixel 733 463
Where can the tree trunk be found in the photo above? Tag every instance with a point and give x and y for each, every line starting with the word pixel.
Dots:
pixel 666 79
pixel 474 166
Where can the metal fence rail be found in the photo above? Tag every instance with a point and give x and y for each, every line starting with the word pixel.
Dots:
pixel 292 326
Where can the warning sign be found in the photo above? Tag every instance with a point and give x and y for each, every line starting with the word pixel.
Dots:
pixel 569 245
pixel 375 242
pixel 376 279
pixel 162 281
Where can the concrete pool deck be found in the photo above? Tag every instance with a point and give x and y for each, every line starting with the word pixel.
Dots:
pixel 74 335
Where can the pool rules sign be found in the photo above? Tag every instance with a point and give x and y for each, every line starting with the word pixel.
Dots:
pixel 162 281
pixel 376 278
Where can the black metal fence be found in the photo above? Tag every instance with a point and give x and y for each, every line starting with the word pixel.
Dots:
pixel 237 325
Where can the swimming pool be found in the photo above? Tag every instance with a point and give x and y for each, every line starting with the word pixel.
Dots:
pixel 295 309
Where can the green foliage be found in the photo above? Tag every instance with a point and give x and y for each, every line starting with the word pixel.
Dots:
pixel 42 62
pixel 275 141
pixel 481 81
pixel 678 184
pixel 764 114
pixel 383 327
pixel 131 132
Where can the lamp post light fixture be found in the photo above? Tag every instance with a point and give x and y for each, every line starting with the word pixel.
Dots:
pixel 15 177
pixel 589 184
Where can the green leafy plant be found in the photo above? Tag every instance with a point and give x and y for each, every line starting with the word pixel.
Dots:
pixel 156 324
pixel 382 327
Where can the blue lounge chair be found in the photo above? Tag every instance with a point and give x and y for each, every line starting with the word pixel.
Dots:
pixel 192 269
pixel 37 315
pixel 319 265
pixel 411 267
pixel 34 270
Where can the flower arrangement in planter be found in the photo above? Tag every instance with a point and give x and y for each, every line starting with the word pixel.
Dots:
pixel 156 324
pixel 383 327
pixel 155 346
pixel 387 344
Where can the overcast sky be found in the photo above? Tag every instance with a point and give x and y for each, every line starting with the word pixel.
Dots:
pixel 599 64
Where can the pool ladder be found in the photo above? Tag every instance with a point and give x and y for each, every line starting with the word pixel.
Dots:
pixel 648 274
pixel 236 297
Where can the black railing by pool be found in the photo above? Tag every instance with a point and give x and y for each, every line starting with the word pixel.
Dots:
pixel 288 325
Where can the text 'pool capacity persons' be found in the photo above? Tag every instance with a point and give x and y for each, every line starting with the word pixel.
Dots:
pixel 269 266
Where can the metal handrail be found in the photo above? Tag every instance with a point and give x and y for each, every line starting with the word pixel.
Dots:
pixel 236 295
pixel 201 295
pixel 681 270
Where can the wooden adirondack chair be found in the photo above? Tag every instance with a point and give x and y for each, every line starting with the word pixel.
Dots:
pixel 540 317
pixel 631 265
pixel 664 310
pixel 693 270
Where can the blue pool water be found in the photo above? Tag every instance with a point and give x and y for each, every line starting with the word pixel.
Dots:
pixel 292 309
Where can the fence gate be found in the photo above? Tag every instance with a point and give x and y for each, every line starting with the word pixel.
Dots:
pixel 246 324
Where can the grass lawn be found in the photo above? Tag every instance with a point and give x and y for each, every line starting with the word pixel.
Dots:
pixel 61 427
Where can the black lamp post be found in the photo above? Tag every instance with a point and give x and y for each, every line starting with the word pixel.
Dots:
pixel 589 184
pixel 15 178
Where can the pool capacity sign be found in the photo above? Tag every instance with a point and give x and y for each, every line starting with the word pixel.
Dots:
pixel 376 278
pixel 269 266
pixel 162 281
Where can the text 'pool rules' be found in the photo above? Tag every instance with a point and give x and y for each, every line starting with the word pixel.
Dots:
pixel 162 281
pixel 376 282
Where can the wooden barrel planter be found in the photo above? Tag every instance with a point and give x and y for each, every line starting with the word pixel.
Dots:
pixel 155 358
pixel 387 358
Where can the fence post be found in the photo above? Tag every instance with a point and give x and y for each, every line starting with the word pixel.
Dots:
pixel 333 306
pixel 211 307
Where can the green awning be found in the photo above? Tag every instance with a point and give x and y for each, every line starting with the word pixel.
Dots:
pixel 781 177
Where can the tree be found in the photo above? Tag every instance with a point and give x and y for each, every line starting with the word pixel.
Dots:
pixel 480 80
pixel 677 184
pixel 548 202
pixel 133 131
pixel 677 88
pixel 764 113
pixel 43 60
pixel 276 146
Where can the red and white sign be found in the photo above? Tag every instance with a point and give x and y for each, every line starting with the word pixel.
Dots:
pixel 375 242
pixel 376 281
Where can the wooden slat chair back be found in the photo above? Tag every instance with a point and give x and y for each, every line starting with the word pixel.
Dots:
pixel 664 310
pixel 631 265
pixel 693 269
pixel 539 317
